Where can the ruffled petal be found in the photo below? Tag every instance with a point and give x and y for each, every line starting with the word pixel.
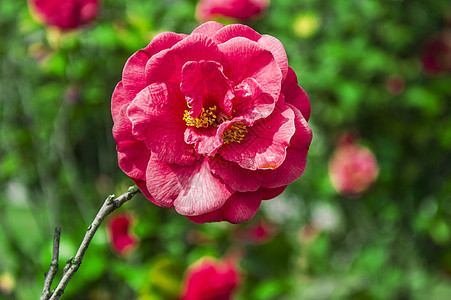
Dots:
pixel 205 140
pixel 208 28
pixel 295 95
pixel 133 75
pixel 268 42
pixel 275 46
pixel 204 85
pixel 192 190
pixel 133 155
pixel 235 30
pixel 167 65
pixel 244 58
pixel 239 208
pixel 156 115
pixel 239 179
pixel 294 165
pixel 264 145
pixel 250 104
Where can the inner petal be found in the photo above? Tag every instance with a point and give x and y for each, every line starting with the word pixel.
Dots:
pixel 204 86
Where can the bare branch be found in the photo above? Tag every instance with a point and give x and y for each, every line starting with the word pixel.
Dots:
pixel 53 265
pixel 72 265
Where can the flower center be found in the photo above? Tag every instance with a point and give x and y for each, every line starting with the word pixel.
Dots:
pixel 235 133
pixel 206 118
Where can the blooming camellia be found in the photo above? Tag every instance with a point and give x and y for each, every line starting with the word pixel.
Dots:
pixel 208 279
pixel 236 9
pixel 65 14
pixel 211 123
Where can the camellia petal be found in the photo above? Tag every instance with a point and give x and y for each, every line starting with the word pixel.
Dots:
pixel 238 178
pixel 241 207
pixel 192 190
pixel 294 165
pixel 244 58
pixel 155 114
pixel 133 155
pixel 118 100
pixel 208 28
pixel 265 144
pixel 167 65
pixel 235 30
pixel 204 85
pixel 134 74
pixel 295 95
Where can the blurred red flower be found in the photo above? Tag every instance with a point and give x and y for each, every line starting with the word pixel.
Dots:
pixel 64 14
pixel 121 239
pixel 237 9
pixel 211 123
pixel 209 279
pixel 436 55
pixel 353 168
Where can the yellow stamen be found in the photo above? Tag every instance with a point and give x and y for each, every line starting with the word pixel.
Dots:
pixel 235 133
pixel 205 119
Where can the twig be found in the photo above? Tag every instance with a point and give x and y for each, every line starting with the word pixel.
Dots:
pixel 74 263
pixel 53 265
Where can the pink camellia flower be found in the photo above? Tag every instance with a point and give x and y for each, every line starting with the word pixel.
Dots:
pixel 121 239
pixel 237 9
pixel 211 123
pixel 208 279
pixel 353 168
pixel 436 56
pixel 64 14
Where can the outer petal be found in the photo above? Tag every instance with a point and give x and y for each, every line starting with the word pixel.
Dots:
pixel 156 115
pixel 266 41
pixel 133 75
pixel 167 65
pixel 295 95
pixel 133 155
pixel 265 144
pixel 275 46
pixel 235 30
pixel 118 100
pixel 294 165
pixel 239 179
pixel 208 28
pixel 192 190
pixel 244 58
pixel 239 208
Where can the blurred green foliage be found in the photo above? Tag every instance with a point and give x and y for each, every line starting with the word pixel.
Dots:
pixel 58 159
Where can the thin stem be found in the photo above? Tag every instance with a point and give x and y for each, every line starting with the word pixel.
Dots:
pixel 53 265
pixel 110 205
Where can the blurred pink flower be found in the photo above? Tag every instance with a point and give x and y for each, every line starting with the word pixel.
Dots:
pixel 436 55
pixel 64 14
pixel 260 232
pixel 208 279
pixel 121 239
pixel 237 9
pixel 395 85
pixel 353 168
pixel 211 123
